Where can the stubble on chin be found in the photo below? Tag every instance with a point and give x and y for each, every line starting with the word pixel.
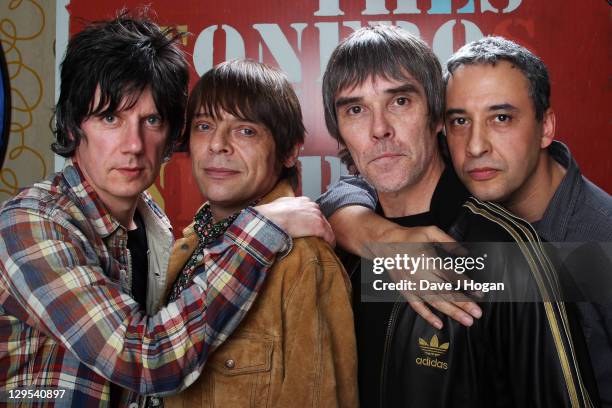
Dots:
pixel 384 182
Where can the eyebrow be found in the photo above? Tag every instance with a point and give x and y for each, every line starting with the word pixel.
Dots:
pixel 407 88
pixel 492 108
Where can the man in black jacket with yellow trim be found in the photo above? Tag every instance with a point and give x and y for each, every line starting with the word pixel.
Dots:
pixel 382 93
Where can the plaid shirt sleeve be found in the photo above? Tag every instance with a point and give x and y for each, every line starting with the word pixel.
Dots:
pixel 53 280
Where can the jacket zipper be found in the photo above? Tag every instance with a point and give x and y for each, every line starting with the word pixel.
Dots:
pixel 388 338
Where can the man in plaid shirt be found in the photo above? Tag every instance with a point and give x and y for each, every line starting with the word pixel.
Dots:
pixel 84 254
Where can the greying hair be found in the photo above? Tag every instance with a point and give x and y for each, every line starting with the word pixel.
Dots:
pixel 382 51
pixel 491 50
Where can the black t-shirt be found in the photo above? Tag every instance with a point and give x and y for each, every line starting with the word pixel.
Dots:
pixel 137 244
pixel 138 247
pixel 371 329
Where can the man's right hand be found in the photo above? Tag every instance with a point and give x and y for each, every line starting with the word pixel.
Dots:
pixel 355 226
pixel 298 217
pixel 452 303
pixel 464 311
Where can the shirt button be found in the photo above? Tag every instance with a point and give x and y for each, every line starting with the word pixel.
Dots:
pixel 199 257
pixel 230 363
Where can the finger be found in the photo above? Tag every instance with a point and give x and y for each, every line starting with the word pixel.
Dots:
pixel 426 313
pixel 306 201
pixel 328 233
pixel 454 278
pixel 453 312
pixel 464 279
pixel 445 296
pixel 470 307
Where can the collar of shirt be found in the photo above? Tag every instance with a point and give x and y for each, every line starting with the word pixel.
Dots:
pixel 554 224
pixel 207 231
pixel 89 202
pixel 446 201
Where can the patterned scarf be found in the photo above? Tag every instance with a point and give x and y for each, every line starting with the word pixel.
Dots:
pixel 207 231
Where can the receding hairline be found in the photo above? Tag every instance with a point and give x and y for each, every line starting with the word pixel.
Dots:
pixel 484 63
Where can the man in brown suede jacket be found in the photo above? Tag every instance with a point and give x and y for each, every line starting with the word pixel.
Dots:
pixel 296 347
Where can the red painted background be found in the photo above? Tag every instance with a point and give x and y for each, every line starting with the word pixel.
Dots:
pixel 573 39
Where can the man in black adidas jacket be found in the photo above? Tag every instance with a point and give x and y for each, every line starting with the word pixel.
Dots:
pixel 382 93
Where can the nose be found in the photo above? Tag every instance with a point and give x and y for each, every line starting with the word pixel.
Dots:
pixel 381 127
pixel 219 141
pixel 478 143
pixel 133 138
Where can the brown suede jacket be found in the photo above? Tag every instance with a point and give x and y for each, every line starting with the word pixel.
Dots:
pixel 296 346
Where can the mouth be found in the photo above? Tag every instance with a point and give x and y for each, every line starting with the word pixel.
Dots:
pixel 386 157
pixel 220 172
pixel 483 173
pixel 130 171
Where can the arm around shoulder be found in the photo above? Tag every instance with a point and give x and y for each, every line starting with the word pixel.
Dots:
pixel 60 278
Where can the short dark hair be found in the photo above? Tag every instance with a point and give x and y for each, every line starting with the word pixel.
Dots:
pixel 382 51
pixel 491 50
pixel 122 57
pixel 254 92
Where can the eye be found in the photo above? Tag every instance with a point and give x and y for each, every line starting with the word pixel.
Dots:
pixel 247 131
pixel 201 127
pixel 402 100
pixel 154 120
pixel 109 118
pixel 355 110
pixel 458 121
pixel 502 117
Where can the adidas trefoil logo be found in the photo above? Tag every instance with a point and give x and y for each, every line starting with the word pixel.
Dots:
pixel 432 349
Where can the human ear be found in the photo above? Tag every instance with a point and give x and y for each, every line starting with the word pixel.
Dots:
pixel 548 128
pixel 291 158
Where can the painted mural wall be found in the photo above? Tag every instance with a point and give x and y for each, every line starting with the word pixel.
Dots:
pixel 573 38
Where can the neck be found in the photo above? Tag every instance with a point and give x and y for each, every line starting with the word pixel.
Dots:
pixel 124 213
pixel 220 212
pixel 416 197
pixel 532 199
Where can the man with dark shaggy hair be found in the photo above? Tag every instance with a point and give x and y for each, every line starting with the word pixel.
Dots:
pixel 84 254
